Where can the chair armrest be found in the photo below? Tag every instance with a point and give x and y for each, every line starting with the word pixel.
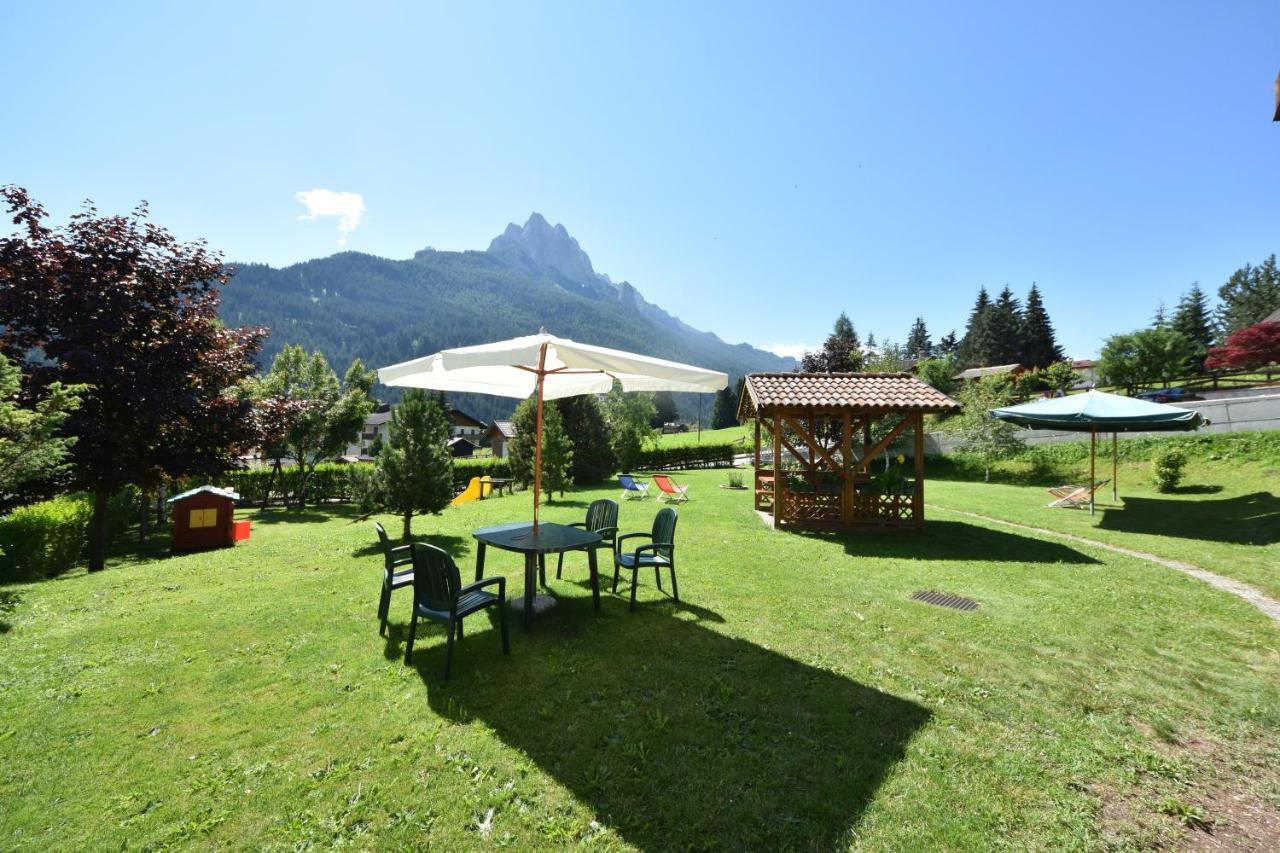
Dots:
pixel 396 549
pixel 606 532
pixel 652 547
pixel 626 536
pixel 581 524
pixel 481 584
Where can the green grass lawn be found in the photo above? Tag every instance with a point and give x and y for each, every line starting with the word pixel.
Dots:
pixel 1224 517
pixel 742 433
pixel 796 698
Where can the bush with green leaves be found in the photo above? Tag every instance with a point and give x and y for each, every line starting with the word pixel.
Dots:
pixel 48 538
pixel 1166 467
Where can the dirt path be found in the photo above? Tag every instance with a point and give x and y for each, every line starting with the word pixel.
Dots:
pixel 1269 606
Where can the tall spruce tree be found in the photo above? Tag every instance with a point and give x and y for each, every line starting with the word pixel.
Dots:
pixel 1195 321
pixel 919 345
pixel 1005 329
pixel 557 448
pixel 947 344
pixel 976 347
pixel 1249 296
pixel 1039 344
pixel 841 353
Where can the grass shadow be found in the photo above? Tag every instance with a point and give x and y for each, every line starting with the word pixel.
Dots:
pixel 309 515
pixel 453 544
pixel 1202 489
pixel 1252 519
pixel 957 540
pixel 686 739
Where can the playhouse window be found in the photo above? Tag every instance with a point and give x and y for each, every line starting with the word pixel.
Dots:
pixel 203 518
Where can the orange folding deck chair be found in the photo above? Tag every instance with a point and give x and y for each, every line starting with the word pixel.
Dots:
pixel 670 492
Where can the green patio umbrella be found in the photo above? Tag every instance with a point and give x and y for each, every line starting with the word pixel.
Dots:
pixel 1096 411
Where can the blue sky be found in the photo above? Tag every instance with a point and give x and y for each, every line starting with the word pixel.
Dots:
pixel 755 169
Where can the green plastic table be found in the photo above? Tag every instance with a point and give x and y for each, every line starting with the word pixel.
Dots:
pixel 551 539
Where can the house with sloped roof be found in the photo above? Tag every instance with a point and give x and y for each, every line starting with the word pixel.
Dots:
pixel 994 370
pixel 500 434
pixel 462 425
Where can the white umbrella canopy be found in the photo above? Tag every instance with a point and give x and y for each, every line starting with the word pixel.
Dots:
pixel 552 368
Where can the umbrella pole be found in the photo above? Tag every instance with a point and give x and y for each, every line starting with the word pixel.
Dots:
pixel 537 448
pixel 1093 452
pixel 1115 442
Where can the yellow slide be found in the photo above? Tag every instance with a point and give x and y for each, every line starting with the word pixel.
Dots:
pixel 477 489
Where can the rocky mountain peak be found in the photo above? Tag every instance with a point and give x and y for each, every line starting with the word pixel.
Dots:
pixel 539 246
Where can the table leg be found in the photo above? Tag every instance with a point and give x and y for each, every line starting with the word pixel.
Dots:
pixel 530 577
pixel 595 578
pixel 480 562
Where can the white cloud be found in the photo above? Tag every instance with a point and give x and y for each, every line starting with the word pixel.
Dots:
pixel 348 207
pixel 793 350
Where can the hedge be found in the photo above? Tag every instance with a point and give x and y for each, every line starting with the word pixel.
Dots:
pixel 48 538
pixel 689 456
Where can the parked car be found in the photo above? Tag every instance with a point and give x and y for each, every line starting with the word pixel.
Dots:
pixel 1166 395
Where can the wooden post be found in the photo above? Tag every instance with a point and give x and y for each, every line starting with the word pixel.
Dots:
pixel 1093 450
pixel 755 472
pixel 917 499
pixel 1115 444
pixel 847 489
pixel 779 479
pixel 537 448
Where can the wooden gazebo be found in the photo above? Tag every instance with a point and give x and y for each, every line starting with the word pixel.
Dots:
pixel 826 430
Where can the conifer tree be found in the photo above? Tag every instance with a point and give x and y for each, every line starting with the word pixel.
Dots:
pixel 1039 344
pixel 557 448
pixel 841 352
pixel 919 345
pixel 726 408
pixel 1249 296
pixel 1160 320
pixel 1005 329
pixel 975 348
pixel 1193 319
pixel 593 459
pixel 416 468
pixel 947 344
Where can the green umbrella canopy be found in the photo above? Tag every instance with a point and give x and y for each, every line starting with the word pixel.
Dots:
pixel 1096 411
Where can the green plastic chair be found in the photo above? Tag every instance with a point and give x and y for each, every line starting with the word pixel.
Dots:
pixel 438 594
pixel 393 576
pixel 602 518
pixel 660 553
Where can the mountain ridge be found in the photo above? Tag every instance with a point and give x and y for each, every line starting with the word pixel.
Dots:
pixel 383 311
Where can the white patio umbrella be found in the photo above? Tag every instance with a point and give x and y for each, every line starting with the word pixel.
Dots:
pixel 552 368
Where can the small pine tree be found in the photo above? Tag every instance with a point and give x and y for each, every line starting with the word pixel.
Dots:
pixel 725 413
pixel 557 447
pixel 1160 320
pixel 665 409
pixel 1039 344
pixel 871 340
pixel 593 459
pixel 919 344
pixel 416 467
pixel 947 344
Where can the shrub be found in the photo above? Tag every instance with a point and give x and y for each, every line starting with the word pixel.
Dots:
pixel 48 538
pixel 735 479
pixel 1166 467
pixel 683 458
pixel 367 487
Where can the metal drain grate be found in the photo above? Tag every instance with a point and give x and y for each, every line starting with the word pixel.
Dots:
pixel 942 599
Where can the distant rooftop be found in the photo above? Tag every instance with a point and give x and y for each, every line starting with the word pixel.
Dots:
pixel 995 370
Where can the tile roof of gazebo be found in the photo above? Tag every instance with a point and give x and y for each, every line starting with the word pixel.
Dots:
pixel 886 392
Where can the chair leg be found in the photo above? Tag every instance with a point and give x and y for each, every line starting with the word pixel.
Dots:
pixel 413 632
pixel 448 654
pixel 675 590
pixel 384 605
pixel 459 629
pixel 635 574
pixel 502 623
pixel 616 570
pixel 657 576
